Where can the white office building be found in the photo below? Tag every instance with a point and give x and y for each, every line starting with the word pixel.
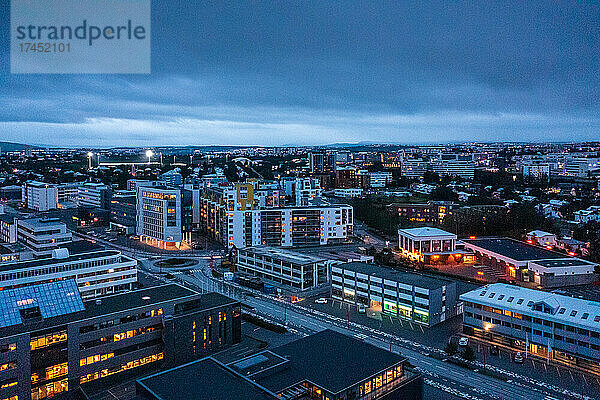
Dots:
pixel 561 328
pixel 42 235
pixel 297 270
pixel 39 196
pixel 158 216
pixel 97 273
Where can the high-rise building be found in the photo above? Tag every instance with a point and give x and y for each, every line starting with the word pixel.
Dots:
pixel 321 162
pixel 94 195
pixel 39 196
pixel 159 216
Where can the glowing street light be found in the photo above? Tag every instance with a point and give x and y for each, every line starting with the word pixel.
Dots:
pixel 149 154
pixel 90 155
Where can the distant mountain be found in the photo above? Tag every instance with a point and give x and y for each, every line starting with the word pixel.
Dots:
pixel 10 146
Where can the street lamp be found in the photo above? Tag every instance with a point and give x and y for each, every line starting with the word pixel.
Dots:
pixel 90 155
pixel 149 154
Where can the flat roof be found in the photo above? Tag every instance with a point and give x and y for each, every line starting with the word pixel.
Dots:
pixel 81 246
pixel 205 379
pixel 409 278
pixel 284 254
pixel 499 294
pixel 122 302
pixel 425 231
pixel 514 249
pixel 323 359
pixel 41 222
pixel 51 261
pixel 566 262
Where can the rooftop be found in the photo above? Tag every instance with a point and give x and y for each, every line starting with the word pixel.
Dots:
pixel 41 222
pixel 568 310
pixel 425 232
pixel 409 278
pixel 514 249
pixel 566 262
pixel 284 254
pixel 51 261
pixel 327 351
pixel 217 382
pixel 122 302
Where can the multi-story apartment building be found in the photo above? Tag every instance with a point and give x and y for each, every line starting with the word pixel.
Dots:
pixel 39 196
pixel 430 213
pixel 94 195
pixel 159 216
pixel 42 235
pixel 97 272
pixel 415 297
pixel 298 270
pixel 379 179
pixel 301 191
pixel 321 162
pixel 561 328
pixel 318 366
pixel 53 343
pixel 243 215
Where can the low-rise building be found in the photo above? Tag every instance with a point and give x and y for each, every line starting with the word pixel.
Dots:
pixel 431 245
pixel 524 262
pixel 541 238
pixel 318 366
pixel 431 213
pixel 42 235
pixel 590 214
pixel 291 268
pixel 561 328
pixel 415 297
pixel 348 193
pixel 53 343
pixel 97 272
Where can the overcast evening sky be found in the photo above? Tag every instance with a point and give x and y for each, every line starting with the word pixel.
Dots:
pixel 304 72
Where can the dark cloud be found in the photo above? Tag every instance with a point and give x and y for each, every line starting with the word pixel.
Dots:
pixel 320 72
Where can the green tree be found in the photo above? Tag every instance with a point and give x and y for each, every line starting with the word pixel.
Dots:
pixel 451 348
pixel 468 354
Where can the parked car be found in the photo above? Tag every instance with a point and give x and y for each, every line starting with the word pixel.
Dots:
pixel 494 351
pixel 361 309
pixel 321 300
pixel 463 341
pixel 518 358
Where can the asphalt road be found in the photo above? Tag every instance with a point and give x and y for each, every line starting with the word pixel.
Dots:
pixel 447 377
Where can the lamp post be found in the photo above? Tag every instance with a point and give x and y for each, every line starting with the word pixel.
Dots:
pixel 149 154
pixel 90 155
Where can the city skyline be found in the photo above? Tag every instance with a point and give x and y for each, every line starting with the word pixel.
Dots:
pixel 319 74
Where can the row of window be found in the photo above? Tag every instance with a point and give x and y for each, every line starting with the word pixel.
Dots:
pixel 59 268
pixel 115 370
pixel 122 320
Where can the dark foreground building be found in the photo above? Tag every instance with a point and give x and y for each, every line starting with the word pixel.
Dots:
pixel 317 367
pixel 52 343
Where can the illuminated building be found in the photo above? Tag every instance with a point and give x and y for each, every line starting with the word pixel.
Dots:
pixel 430 245
pixel 415 297
pixel 159 216
pixel 39 196
pixel 562 328
pixel 52 342
pixel 318 367
pixel 524 262
pixel 298 270
pixel 97 272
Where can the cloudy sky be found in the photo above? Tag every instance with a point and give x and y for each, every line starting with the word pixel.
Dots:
pixel 304 72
